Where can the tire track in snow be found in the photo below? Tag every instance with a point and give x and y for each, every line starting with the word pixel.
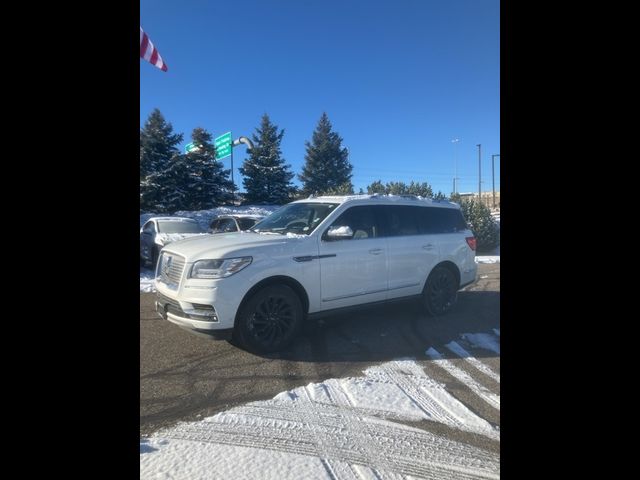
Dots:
pixel 299 428
pixel 489 397
pixel 467 357
pixel 345 424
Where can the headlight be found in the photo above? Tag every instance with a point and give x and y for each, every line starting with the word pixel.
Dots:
pixel 220 268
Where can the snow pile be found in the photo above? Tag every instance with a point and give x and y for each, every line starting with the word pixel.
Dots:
pixel 488 259
pixel 340 428
pixel 146 280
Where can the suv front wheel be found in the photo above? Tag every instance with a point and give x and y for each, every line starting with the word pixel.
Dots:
pixel 440 292
pixel 270 320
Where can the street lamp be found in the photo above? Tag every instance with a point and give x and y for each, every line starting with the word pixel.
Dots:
pixel 479 173
pixel 455 164
pixel 493 178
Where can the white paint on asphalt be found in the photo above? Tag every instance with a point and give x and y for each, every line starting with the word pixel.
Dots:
pixel 482 392
pixel 467 357
pixel 483 340
pixel 337 429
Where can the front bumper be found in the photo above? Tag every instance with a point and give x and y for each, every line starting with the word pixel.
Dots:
pixel 203 321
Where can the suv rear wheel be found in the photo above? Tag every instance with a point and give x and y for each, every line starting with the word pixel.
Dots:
pixel 441 291
pixel 270 320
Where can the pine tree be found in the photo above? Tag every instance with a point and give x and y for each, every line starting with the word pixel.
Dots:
pixel 157 148
pixel 327 166
pixel 483 225
pixel 193 181
pixel 376 187
pixel 266 176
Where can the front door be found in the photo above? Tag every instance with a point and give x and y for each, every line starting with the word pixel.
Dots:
pixel 353 269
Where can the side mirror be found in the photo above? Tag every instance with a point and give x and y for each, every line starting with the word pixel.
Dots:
pixel 337 233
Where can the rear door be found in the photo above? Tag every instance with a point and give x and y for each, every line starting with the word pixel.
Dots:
pixel 412 251
pixel 353 270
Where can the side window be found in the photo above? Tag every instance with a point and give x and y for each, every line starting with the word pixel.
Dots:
pixel 361 221
pixel 441 220
pixel 402 220
pixel 227 225
pixel 214 226
pixel 149 228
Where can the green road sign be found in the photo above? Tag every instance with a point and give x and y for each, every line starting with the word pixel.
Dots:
pixel 223 145
pixel 190 147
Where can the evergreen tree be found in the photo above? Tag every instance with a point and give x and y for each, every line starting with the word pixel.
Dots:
pixel 400 188
pixel 440 196
pixel 482 223
pixel 157 148
pixel 266 176
pixel 326 165
pixel 376 187
pixel 195 180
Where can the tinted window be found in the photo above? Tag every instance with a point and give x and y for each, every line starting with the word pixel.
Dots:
pixel 149 228
pixel 246 223
pixel 402 220
pixel 224 225
pixel 361 220
pixel 179 227
pixel 441 220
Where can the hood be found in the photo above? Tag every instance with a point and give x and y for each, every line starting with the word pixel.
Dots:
pixel 167 238
pixel 225 244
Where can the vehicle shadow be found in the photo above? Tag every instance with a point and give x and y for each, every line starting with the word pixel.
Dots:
pixel 397 330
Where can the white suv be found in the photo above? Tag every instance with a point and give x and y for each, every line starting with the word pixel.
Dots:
pixel 314 256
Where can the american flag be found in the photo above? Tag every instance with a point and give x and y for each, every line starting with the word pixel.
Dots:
pixel 149 52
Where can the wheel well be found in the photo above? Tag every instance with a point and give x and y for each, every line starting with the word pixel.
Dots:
pixel 278 280
pixel 452 267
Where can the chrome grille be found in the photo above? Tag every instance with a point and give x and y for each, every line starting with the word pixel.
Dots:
pixel 170 268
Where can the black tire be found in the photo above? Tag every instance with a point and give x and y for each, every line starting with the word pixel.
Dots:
pixel 440 292
pixel 269 320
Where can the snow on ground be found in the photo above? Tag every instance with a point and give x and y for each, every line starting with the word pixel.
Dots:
pixel 146 280
pixel 340 428
pixel 488 259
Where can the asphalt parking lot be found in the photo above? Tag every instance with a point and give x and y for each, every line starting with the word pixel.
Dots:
pixel 184 377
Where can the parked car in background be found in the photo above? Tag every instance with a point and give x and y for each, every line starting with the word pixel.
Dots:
pixel 160 231
pixel 233 223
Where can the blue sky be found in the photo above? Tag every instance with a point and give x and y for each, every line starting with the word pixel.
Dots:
pixel 399 80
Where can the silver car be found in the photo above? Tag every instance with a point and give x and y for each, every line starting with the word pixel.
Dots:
pixel 160 231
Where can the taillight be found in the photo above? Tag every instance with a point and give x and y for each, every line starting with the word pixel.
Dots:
pixel 471 241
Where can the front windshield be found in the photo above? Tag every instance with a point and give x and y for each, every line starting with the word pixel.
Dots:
pixel 298 218
pixel 179 227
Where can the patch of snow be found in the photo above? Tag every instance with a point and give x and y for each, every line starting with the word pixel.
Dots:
pixel 147 280
pixel 483 340
pixel 467 357
pixel 488 259
pixel 496 331
pixel 329 430
pixel 174 237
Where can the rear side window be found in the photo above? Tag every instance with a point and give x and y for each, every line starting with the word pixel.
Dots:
pixel 402 220
pixel 246 223
pixel 441 220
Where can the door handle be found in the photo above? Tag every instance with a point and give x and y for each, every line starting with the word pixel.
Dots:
pixel 428 247
pixel 375 251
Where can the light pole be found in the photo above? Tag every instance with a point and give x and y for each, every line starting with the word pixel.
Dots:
pixel 455 164
pixel 493 178
pixel 479 173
